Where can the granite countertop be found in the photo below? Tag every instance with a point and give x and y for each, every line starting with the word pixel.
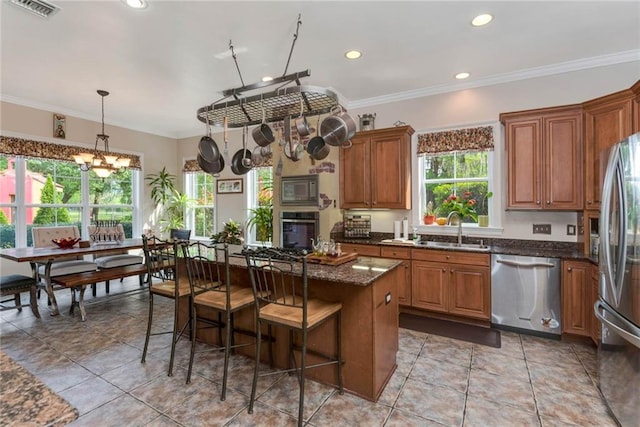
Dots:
pixel 564 250
pixel 362 272
pixel 25 400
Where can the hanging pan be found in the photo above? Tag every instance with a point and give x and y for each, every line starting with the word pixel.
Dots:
pixel 212 168
pixel 241 161
pixel 262 134
pixel 207 146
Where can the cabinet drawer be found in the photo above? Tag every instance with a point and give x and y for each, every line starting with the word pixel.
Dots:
pixel 452 257
pixel 400 253
pixel 364 250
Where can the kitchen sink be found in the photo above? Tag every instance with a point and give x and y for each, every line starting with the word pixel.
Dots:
pixel 452 245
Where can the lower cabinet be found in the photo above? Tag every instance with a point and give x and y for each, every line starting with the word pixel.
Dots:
pixel 576 297
pixel 457 283
pixel 404 279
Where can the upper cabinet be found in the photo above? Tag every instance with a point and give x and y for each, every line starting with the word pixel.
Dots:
pixel 375 172
pixel 607 120
pixel 544 158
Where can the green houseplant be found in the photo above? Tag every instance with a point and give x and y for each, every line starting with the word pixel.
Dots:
pixel 261 220
pixel 231 234
pixel 171 202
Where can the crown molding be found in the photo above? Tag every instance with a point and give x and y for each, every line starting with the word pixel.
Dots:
pixel 530 73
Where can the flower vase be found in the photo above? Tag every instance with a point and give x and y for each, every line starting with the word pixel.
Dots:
pixel 483 220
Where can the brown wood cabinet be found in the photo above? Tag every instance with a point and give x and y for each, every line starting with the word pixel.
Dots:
pixel 544 158
pixel 596 328
pixel 375 172
pixel 457 283
pixel 361 249
pixel 607 120
pixel 404 279
pixel 636 107
pixel 576 297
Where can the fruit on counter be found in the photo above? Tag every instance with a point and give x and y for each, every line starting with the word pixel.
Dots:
pixel 441 221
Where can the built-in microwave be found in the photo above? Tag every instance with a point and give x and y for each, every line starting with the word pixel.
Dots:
pixel 300 190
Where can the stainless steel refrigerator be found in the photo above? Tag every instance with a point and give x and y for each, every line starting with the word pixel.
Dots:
pixel 618 308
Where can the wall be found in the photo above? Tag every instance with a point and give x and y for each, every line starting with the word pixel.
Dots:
pixel 464 108
pixel 155 151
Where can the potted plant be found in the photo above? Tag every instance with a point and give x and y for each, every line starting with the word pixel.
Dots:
pixel 464 206
pixel 261 220
pixel 230 234
pixel 172 203
pixel 429 215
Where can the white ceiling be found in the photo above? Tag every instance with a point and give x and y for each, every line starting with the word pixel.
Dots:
pixel 159 63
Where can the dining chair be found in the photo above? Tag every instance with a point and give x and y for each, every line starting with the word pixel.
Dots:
pixel 112 233
pixel 211 289
pixel 42 238
pixel 181 234
pixel 161 257
pixel 14 285
pixel 280 288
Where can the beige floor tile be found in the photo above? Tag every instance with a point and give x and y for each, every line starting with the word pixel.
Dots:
pixel 110 358
pixel 480 412
pixel 162 421
pixel 504 390
pixel 134 374
pixel 552 356
pixel 562 378
pixel 123 411
pixel 501 365
pixel 349 410
pixel 440 373
pixel 411 341
pixel 392 390
pixel 91 394
pixel 263 415
pixel 405 419
pixel 283 395
pixel 205 408
pixel 456 352
pixel 405 361
pixel 510 346
pixel 573 408
pixel 163 393
pixel 436 403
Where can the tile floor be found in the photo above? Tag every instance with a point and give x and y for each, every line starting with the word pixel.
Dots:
pixel 439 381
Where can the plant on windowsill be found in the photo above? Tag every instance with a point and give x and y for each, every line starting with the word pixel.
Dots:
pixel 230 234
pixel 464 206
pixel 429 215
pixel 483 219
pixel 170 202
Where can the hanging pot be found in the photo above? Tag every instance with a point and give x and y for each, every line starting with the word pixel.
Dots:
pixel 317 148
pixel 337 128
pixel 302 125
pixel 256 157
pixel 262 134
pixel 241 161
pixel 207 147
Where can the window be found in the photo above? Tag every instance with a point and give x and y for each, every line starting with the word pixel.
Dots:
pixel 36 192
pixel 200 188
pixel 260 228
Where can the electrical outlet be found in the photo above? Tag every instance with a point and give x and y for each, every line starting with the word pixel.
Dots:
pixel 571 230
pixel 541 228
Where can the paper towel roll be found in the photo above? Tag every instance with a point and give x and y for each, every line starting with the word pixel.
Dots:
pixel 405 229
pixel 396 229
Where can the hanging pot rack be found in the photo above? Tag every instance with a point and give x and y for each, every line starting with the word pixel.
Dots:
pixel 243 110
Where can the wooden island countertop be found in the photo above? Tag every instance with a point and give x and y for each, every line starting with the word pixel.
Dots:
pixel 367 289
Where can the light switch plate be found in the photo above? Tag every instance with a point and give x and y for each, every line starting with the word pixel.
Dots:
pixel 571 230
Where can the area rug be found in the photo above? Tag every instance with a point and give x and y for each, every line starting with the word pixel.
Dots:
pixel 459 331
pixel 26 401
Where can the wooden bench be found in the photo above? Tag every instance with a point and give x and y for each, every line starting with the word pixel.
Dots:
pixel 81 280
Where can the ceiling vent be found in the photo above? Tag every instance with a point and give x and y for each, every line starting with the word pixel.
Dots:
pixel 38 7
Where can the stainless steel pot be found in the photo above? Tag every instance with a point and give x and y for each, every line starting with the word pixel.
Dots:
pixel 337 128
pixel 262 134
pixel 302 125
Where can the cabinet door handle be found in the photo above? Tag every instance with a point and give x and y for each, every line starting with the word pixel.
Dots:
pixel 537 202
pixel 448 257
pixel 444 270
pixel 548 202
pixel 589 202
pixel 569 269
pixel 452 270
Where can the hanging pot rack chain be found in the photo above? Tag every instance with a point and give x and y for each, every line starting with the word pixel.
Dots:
pixel 277 104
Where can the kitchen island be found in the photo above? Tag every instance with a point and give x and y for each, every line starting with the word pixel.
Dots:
pixel 367 289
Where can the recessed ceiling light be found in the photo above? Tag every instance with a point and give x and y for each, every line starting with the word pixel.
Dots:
pixel 353 54
pixel 267 78
pixel 136 4
pixel 461 76
pixel 481 20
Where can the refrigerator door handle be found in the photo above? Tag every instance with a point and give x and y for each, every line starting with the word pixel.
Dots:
pixel 632 335
pixel 525 264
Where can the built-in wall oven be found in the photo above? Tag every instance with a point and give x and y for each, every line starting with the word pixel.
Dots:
pixel 298 228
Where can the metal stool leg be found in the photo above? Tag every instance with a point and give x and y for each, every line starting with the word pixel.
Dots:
pixel 146 340
pixel 256 370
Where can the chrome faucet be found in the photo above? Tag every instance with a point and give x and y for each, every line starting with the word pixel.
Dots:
pixel 459 225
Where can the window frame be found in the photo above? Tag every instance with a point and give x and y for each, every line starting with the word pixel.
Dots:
pixel 252 202
pixel 189 180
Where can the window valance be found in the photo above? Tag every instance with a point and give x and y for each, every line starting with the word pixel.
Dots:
pixel 46 150
pixel 470 139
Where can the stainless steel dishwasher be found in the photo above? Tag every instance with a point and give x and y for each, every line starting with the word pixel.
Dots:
pixel 525 293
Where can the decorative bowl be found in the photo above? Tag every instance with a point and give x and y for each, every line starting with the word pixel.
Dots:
pixel 441 221
pixel 66 243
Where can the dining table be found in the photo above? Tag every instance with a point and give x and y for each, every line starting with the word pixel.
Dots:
pixel 47 255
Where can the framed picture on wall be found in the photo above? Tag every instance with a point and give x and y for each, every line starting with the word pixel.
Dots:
pixel 227 186
pixel 59 126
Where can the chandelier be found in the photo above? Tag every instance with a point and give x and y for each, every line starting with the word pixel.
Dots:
pixel 102 163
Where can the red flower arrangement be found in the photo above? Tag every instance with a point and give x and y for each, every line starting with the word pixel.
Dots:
pixel 464 206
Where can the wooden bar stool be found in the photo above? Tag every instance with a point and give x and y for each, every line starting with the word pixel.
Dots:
pixel 211 288
pixel 279 283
